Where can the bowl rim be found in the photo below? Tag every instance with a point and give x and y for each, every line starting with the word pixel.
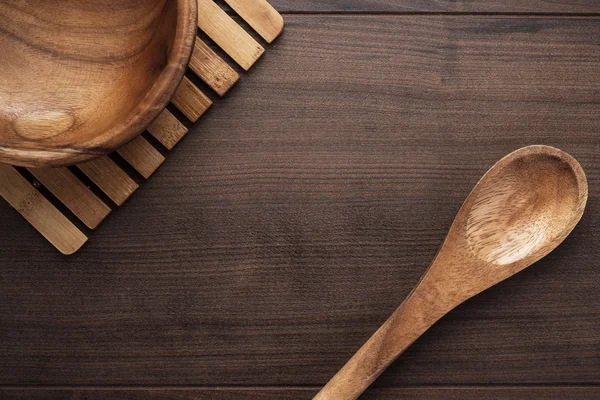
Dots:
pixel 155 101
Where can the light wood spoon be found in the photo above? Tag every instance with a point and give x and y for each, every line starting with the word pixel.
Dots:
pixel 520 210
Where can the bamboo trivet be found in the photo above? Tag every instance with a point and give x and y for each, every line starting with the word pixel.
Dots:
pixel 105 174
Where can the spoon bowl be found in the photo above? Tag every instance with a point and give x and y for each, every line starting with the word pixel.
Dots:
pixel 519 211
pixel 80 78
pixel 524 205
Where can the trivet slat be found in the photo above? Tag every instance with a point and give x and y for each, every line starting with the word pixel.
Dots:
pixel 111 179
pixel 211 68
pixel 167 129
pixel 234 40
pixel 142 156
pixel 190 100
pixel 40 213
pixel 260 15
pixel 77 197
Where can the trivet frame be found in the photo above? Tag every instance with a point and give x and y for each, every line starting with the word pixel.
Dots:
pixel 57 227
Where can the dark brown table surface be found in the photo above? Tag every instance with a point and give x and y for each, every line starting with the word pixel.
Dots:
pixel 304 206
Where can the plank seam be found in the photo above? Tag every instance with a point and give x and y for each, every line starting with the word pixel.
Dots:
pixel 511 386
pixel 440 13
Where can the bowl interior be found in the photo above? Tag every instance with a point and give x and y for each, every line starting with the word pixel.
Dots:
pixel 79 78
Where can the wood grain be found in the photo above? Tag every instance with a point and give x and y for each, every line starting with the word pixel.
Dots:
pixel 437 6
pixel 190 100
pixel 211 68
pixel 261 16
pixel 167 129
pixel 104 71
pixel 110 178
pixel 234 40
pixel 63 184
pixel 142 156
pixel 343 161
pixel 36 209
pixel 552 393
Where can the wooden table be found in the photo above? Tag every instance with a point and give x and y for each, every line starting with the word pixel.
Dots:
pixel 301 211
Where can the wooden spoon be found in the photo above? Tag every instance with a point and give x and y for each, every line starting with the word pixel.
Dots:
pixel 520 210
pixel 80 78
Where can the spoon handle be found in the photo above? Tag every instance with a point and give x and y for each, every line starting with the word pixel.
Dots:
pixel 421 309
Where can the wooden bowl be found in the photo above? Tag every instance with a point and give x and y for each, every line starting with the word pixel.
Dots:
pixel 80 78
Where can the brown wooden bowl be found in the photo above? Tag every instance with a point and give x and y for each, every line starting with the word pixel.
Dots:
pixel 80 78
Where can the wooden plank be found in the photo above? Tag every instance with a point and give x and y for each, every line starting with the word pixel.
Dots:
pixel 40 213
pixel 437 6
pixel 293 393
pixel 111 179
pixel 221 28
pixel 167 129
pixel 142 156
pixel 190 100
pixel 211 68
pixel 261 16
pixel 82 202
pixel 280 238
